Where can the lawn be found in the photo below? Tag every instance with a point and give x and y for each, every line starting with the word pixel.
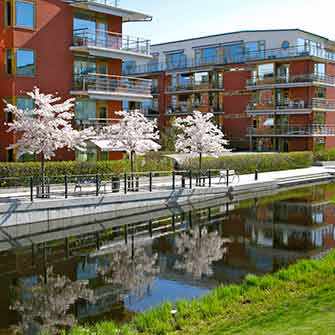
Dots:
pixel 297 300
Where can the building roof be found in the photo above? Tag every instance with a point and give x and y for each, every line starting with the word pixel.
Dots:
pixel 239 32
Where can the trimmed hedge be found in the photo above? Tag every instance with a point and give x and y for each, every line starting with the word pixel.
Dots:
pixel 248 163
pixel 325 155
pixel 146 163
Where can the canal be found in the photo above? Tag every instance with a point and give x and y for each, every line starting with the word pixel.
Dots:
pixel 113 270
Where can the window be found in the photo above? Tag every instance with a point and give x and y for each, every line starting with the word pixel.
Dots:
pixel 233 53
pixel 175 60
pixel 207 55
pixel 24 14
pixel 153 65
pixel 82 67
pixel 266 71
pixel 320 69
pixel 25 63
pixel 85 110
pixel 24 103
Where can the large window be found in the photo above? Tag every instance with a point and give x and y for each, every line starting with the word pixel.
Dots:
pixel 206 55
pixel 320 69
pixel 176 60
pixel 266 71
pixel 85 110
pixel 24 14
pixel 25 63
pixel 20 13
pixel 233 53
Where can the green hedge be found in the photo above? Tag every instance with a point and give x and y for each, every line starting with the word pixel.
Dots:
pixel 248 163
pixel 147 163
pixel 325 155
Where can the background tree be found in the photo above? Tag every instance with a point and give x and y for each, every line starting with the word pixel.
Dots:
pixel 134 133
pixel 46 127
pixel 198 135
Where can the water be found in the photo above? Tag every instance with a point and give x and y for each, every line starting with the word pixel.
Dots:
pixel 113 270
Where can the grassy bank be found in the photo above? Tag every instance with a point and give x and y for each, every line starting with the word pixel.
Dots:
pixel 297 300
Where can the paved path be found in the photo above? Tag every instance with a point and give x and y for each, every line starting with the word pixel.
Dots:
pixel 165 183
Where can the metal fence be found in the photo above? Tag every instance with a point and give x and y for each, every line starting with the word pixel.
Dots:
pixel 69 186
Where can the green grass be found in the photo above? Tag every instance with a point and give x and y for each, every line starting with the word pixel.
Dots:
pixel 297 300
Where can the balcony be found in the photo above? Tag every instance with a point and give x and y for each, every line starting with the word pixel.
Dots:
pixel 110 87
pixel 189 87
pixel 110 7
pixel 288 107
pixel 187 109
pixel 110 45
pixel 313 130
pixel 238 58
pixel 303 80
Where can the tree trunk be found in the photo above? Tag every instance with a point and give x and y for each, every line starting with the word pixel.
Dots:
pixel 132 168
pixel 200 161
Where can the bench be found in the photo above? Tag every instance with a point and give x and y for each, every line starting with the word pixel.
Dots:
pixel 231 175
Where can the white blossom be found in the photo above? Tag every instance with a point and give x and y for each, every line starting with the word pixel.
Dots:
pixel 47 127
pixel 197 250
pixel 199 135
pixel 134 133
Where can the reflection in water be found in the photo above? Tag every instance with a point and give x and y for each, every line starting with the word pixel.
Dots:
pixel 156 257
pixel 197 250
pixel 130 271
pixel 44 306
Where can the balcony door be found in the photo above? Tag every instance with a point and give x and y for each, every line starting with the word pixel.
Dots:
pixel 102 112
pixel 102 34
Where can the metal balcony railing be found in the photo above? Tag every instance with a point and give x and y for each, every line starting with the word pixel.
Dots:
pixel 303 78
pixel 237 58
pixel 281 105
pixel 110 83
pixel 322 104
pixel 294 130
pixel 193 86
pixel 325 104
pixel 188 109
pixel 110 40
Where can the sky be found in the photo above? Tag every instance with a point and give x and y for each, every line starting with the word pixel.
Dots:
pixel 182 19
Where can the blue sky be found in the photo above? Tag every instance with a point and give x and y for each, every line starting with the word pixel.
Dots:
pixel 179 19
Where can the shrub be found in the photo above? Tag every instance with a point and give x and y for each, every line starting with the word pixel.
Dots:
pixel 325 155
pixel 19 170
pixel 248 163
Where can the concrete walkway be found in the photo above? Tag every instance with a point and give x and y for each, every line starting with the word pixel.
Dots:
pixel 165 183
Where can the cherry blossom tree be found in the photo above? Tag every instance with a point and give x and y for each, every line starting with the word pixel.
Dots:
pixel 46 127
pixel 198 135
pixel 134 133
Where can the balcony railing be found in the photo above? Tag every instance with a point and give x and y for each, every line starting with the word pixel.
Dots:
pixel 282 105
pixel 294 130
pixel 244 57
pixel 194 86
pixel 292 105
pixel 110 40
pixel 111 84
pixel 188 109
pixel 303 78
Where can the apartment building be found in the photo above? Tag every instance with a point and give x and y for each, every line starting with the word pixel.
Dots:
pixel 75 48
pixel 271 90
